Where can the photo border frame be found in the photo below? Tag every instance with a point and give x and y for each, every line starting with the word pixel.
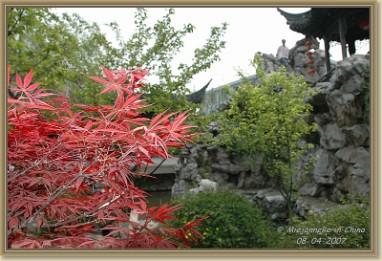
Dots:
pixel 375 114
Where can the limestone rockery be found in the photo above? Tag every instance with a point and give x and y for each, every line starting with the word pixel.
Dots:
pixel 342 142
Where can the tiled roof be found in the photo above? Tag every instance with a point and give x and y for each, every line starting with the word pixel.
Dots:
pixel 323 22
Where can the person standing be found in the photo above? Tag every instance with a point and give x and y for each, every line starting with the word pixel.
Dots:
pixel 283 54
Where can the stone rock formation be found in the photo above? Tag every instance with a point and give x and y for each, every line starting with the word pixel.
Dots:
pixel 342 165
pixel 186 174
pixel 305 59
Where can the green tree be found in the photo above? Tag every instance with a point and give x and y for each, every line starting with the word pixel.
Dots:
pixel 60 50
pixel 156 46
pixel 68 47
pixel 269 119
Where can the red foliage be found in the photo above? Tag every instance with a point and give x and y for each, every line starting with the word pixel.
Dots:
pixel 71 174
pixel 308 43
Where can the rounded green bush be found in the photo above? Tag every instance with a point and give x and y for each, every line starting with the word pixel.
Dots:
pixel 232 221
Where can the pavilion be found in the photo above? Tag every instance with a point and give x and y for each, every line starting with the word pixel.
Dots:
pixel 344 25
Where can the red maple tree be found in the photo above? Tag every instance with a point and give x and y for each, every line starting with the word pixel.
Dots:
pixel 70 173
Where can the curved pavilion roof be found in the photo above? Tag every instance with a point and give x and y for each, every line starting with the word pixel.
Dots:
pixel 323 23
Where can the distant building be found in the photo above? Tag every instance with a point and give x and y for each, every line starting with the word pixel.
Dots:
pixel 217 99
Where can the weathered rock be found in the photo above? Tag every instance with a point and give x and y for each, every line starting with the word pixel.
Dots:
pixel 200 155
pixel 186 174
pixel 347 68
pixel 189 171
pixel 251 180
pixel 276 205
pixel 331 136
pixel 275 202
pixel 299 60
pixel 180 187
pixel 302 49
pixel 227 167
pixel 269 63
pixel 220 178
pixel 343 108
pixel 322 119
pixel 357 135
pixel 319 99
pixel 358 169
pixel 204 185
pixel 269 199
pixel 360 177
pixel 309 189
pixel 353 155
pixel 345 169
pixel 341 73
pixel 261 193
pixel 353 84
pixel 312 205
pixel 221 155
pixel 325 168
pixel 320 63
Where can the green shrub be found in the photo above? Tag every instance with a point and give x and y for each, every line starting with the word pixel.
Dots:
pixel 268 118
pixel 349 225
pixel 232 221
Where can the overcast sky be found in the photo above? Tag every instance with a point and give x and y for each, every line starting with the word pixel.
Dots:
pixel 250 30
